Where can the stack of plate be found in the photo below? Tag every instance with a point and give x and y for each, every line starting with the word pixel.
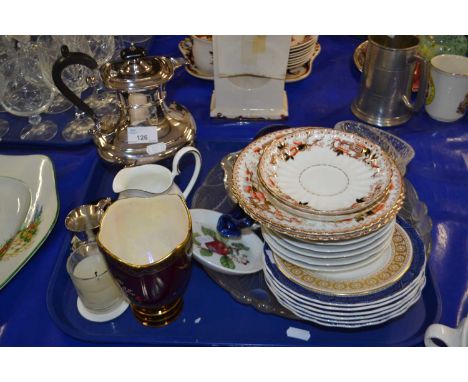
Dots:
pixel 332 307
pixel 301 51
pixel 327 202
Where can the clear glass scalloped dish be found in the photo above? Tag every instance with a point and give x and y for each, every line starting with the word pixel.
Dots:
pixel 253 290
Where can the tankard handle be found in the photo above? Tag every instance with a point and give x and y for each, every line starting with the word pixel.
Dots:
pixel 421 96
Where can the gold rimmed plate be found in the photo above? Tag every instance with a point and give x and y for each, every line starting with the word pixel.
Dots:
pixel 324 172
pixel 385 271
pixel 245 187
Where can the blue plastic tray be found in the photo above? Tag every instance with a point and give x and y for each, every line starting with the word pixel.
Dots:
pixel 210 315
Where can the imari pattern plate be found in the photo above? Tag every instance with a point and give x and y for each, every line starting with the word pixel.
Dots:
pixel 325 172
pixel 246 188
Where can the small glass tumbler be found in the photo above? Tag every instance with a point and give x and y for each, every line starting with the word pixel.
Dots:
pixel 98 292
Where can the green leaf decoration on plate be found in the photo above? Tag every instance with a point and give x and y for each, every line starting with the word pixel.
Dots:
pixel 227 262
pixel 240 246
pixel 195 241
pixel 205 252
pixel 209 232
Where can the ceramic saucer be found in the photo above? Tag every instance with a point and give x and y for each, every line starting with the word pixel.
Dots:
pixel 185 48
pixel 245 187
pixel 193 70
pixel 231 256
pixel 354 173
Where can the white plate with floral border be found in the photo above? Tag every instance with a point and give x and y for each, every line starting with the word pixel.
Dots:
pixel 231 256
pixel 322 172
pixel 245 187
pixel 37 173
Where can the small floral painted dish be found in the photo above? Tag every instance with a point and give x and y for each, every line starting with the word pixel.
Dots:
pixel 230 256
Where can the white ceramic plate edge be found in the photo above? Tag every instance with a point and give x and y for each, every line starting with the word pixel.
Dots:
pixel 51 216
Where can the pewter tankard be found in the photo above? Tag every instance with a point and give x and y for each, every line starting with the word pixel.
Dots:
pixel 385 94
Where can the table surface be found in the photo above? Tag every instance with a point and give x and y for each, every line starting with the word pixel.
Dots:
pixel 439 172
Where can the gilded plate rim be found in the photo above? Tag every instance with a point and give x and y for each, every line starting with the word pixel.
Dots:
pixel 268 153
pixel 348 289
pixel 296 232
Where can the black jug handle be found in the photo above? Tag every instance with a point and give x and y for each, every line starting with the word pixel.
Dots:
pixel 73 58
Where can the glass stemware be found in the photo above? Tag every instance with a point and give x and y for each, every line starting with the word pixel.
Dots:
pixel 102 50
pixel 26 93
pixel 74 77
pixel 78 128
pixel 7 50
pixel 143 41
pixel 49 52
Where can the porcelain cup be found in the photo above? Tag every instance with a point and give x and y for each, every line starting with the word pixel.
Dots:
pixel 447 98
pixel 152 179
pixel 202 52
pixel 449 336
pixel 147 244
